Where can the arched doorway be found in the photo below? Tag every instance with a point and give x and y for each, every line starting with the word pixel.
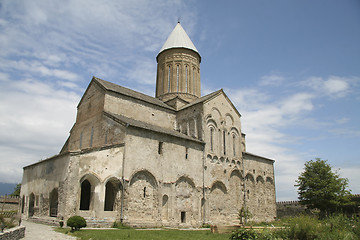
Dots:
pixel 31 204
pixel 53 198
pixel 112 196
pixel 22 204
pixel 85 195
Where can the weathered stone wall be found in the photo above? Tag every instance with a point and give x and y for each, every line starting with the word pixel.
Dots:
pixel 145 112
pixel 169 175
pixel 289 209
pixel 190 121
pixel 13 233
pixel 39 180
pixel 178 71
pixel 98 167
pixel 260 187
pixel 9 203
pixel 92 129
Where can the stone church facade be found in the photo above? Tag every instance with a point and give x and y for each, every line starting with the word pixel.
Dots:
pixel 178 159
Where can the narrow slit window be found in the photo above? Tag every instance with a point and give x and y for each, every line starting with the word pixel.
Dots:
pixel 91 136
pixel 80 141
pixel 186 153
pixel 183 217
pixel 144 192
pixel 160 148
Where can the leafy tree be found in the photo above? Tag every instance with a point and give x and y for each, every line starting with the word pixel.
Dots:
pixel 16 190
pixel 319 187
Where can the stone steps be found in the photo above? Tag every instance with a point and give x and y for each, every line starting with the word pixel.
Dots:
pixel 45 220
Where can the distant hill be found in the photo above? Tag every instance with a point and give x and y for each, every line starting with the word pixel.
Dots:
pixel 7 188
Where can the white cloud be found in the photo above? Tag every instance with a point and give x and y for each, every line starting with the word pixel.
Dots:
pixel 34 123
pixel 342 120
pixel 48 48
pixel 333 86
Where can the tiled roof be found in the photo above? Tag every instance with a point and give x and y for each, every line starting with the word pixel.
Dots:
pixel 131 93
pixel 151 127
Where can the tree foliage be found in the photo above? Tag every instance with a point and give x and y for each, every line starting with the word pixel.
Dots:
pixel 16 190
pixel 319 187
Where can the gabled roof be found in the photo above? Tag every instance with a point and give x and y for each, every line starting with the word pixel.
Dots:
pixel 108 86
pixel 151 127
pixel 130 93
pixel 178 39
pixel 209 97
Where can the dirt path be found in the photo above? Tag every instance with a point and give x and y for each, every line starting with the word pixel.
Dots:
pixel 36 231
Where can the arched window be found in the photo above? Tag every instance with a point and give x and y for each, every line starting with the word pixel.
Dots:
pixel 186 78
pixel 177 78
pixel 193 81
pixel 85 195
pixel 212 139
pixel 169 78
pixel 224 141
pixel 163 76
pixel 234 144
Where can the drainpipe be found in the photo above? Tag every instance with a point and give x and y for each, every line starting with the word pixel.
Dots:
pixel 203 187
pixel 122 178
pixel 203 167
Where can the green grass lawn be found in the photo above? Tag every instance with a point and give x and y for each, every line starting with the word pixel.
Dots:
pixel 85 234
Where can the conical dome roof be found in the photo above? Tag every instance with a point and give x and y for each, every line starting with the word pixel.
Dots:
pixel 178 39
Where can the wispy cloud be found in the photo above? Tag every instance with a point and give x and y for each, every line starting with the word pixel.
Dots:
pixel 49 52
pixel 34 123
pixel 272 79
pixel 333 86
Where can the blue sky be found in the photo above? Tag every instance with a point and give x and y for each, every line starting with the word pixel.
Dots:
pixel 292 68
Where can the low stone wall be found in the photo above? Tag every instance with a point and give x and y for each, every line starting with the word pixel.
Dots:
pixel 13 233
pixel 289 209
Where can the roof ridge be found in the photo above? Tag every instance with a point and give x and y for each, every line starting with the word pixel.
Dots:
pixel 131 93
pixel 150 127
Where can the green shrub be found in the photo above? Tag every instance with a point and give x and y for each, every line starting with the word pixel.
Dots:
pixel 338 227
pixel 304 228
pixel 244 234
pixel 76 222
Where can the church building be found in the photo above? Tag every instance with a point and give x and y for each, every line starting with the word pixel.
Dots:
pixel 176 159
